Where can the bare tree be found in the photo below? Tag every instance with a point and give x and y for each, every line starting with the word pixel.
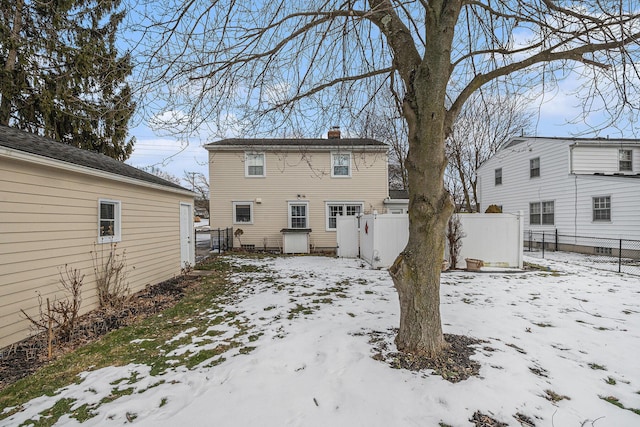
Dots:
pixel 306 64
pixel 485 122
pixel 198 183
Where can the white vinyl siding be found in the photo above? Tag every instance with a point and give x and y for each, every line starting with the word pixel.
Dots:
pixel 109 221
pixel 571 190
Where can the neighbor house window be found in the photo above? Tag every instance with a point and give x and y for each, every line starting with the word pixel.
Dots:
pixel 243 212
pixel 254 164
pixel 335 209
pixel 534 167
pixel 542 213
pixel 625 162
pixel 341 164
pixel 108 221
pixel 298 215
pixel 498 176
pixel 602 208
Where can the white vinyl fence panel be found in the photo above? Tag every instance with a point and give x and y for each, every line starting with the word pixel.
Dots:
pixel 347 236
pixel 496 239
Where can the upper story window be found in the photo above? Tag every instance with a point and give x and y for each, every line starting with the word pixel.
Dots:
pixel 340 164
pixel 498 176
pixel 298 214
pixel 243 212
pixel 534 167
pixel 109 223
pixel 254 164
pixel 625 162
pixel 602 208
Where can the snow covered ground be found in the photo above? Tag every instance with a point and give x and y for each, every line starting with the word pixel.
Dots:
pixel 557 343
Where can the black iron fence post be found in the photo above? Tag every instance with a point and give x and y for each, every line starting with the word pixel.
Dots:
pixel 620 257
pixel 543 244
pixel 556 245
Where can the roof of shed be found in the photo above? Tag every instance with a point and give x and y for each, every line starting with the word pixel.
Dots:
pixel 45 147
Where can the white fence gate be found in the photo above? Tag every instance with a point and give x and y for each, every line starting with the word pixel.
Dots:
pixel 348 241
pixel 496 239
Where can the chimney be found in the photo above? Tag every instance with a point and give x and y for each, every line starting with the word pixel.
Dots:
pixel 334 132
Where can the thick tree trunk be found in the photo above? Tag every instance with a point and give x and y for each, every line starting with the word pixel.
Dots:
pixel 416 271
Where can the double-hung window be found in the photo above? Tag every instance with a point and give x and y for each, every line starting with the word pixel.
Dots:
pixel 341 208
pixel 602 208
pixel 243 212
pixel 542 213
pixel 109 222
pixel 498 176
pixel 625 160
pixel 534 167
pixel 298 215
pixel 341 165
pixel 254 164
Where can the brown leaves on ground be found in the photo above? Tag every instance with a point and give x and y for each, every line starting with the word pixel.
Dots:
pixel 25 357
pixel 454 364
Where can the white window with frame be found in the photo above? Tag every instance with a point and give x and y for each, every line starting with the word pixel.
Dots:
pixel 341 208
pixel 243 212
pixel 542 213
pixel 340 165
pixel 298 214
pixel 109 221
pixel 625 160
pixel 602 208
pixel 534 167
pixel 254 165
pixel 498 176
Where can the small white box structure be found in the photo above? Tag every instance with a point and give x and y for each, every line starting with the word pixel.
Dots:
pixel 295 240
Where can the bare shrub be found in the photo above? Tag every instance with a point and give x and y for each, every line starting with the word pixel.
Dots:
pixel 58 320
pixel 454 237
pixel 110 271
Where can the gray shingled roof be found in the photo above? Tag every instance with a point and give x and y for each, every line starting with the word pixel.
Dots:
pixel 297 142
pixel 45 147
pixel 398 194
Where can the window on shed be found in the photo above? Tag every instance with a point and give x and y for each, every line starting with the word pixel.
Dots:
pixel 498 176
pixel 602 208
pixel 625 162
pixel 109 221
pixel 534 167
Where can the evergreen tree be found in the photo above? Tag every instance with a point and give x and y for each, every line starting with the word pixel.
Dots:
pixel 61 75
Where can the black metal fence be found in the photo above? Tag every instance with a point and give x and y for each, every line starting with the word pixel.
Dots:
pixel 217 239
pixel 621 255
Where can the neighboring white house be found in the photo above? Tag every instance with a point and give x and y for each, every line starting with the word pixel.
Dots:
pixel 579 187
pixel 60 205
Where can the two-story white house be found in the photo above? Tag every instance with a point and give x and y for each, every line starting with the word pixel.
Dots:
pixel 285 194
pixel 579 187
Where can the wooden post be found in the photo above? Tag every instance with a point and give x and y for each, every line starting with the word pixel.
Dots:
pixel 49 330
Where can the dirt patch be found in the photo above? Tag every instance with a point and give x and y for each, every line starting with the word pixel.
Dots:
pixel 25 357
pixel 454 364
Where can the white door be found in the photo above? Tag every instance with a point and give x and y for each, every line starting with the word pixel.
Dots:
pixel 347 236
pixel 187 248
